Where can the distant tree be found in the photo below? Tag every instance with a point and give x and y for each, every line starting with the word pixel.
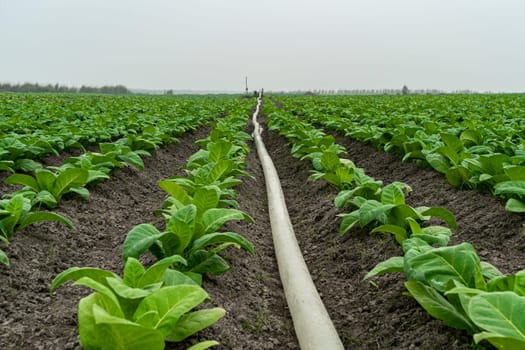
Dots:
pixel 30 87
pixel 405 90
pixel 169 92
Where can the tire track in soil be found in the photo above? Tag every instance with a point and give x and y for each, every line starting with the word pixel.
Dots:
pixel 31 318
pixel 366 316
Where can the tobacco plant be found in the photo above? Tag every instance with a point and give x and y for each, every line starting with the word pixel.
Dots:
pixel 388 212
pixel 455 135
pixel 51 186
pixel 142 310
pixel 452 284
pixel 16 213
pixel 192 224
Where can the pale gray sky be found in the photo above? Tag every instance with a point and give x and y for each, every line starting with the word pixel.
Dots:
pixel 278 44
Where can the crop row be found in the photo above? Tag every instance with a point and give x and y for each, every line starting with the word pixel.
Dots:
pixel 147 307
pixel 35 125
pixel 475 141
pixel 45 187
pixel 450 282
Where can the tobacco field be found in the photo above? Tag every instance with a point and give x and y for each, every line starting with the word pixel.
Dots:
pixel 141 222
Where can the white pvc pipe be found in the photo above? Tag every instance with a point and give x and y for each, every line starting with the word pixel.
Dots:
pixel 313 326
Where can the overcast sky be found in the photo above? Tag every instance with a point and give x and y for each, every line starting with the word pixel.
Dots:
pixel 278 44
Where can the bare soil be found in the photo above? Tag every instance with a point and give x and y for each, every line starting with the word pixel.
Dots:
pixel 366 315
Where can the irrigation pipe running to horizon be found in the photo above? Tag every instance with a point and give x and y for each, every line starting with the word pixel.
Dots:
pixel 313 327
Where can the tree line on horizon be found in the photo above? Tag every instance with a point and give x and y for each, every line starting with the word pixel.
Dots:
pixel 30 87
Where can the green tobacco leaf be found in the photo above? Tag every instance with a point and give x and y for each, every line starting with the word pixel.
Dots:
pixel 133 271
pixel 471 137
pixel 343 197
pixel 75 273
pixel 171 303
pixel 415 228
pixel 220 170
pixel 134 159
pixel 214 218
pixel 96 175
pixel 41 216
pixel 46 198
pixel 515 173
pixel 125 291
pixel 372 210
pixel 449 154
pixel 120 334
pixel 193 322
pixel 331 178
pixel 441 265
pixel 399 232
pixel 345 175
pixel 438 162
pixel 175 190
pixel 4 214
pixel 349 221
pixel 3 258
pixel 453 142
pixel 393 194
pixel 514 283
pixel 229 182
pixel 489 271
pixel 458 175
pixel 182 225
pixel 107 298
pixel 393 264
pixel 174 278
pixel 500 313
pixel 23 179
pixel 45 179
pixel 6 165
pixel 202 261
pixel 500 342
pixel 435 235
pixel 492 164
pixel 204 345
pixel 15 206
pixel 148 319
pixel 222 237
pixel 443 214
pixel 86 322
pixel 139 239
pixel 400 214
pixel 206 198
pixel 69 178
pixel 218 150
pixel 228 203
pixel 515 206
pixel 200 157
pixel 81 191
pixel 438 306
pixel 330 161
pixel 510 187
pixel 155 273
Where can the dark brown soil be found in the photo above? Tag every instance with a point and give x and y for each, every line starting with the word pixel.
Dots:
pixel 366 316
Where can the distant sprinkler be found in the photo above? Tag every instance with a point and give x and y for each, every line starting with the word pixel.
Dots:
pixel 246 82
